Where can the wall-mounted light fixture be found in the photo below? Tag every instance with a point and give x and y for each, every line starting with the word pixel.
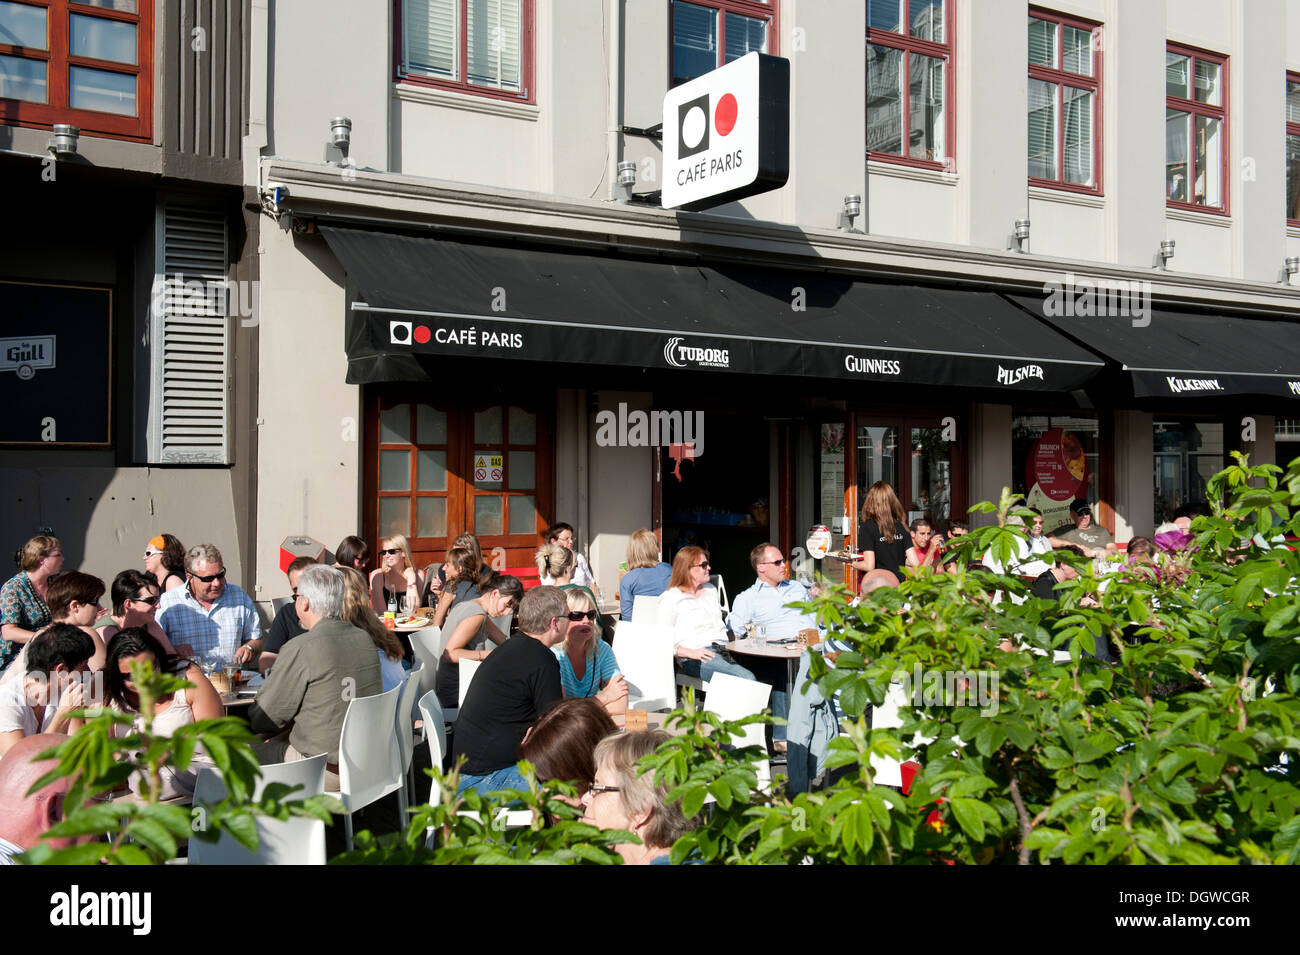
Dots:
pixel 64 140
pixel 850 210
pixel 1292 266
pixel 1020 235
pixel 336 150
pixel 1166 252
pixel 625 180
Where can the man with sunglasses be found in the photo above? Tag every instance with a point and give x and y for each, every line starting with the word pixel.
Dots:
pixel 764 605
pixel 208 613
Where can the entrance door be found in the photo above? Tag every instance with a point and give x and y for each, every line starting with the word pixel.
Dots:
pixel 434 471
pixel 917 454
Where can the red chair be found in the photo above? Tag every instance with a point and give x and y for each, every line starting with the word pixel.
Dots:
pixel 530 577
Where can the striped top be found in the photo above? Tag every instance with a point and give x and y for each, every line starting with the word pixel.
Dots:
pixel 605 668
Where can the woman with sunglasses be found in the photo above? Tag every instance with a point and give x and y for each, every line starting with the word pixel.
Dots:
pixel 164 558
pixel 691 609
pixel 395 585
pixel 469 631
pixel 587 664
pixel 135 597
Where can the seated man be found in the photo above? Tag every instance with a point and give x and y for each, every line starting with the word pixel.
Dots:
pixel 284 627
pixel 511 688
pixel 207 613
pixel 1092 539
pixel 315 677
pixel 24 818
pixel 764 605
pixel 926 549
pixel 50 690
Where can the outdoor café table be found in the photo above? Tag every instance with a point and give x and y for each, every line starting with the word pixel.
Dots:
pixel 789 652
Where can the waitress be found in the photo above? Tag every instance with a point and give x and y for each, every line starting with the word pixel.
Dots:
pixel 883 537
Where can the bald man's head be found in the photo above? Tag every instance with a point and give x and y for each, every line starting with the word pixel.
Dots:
pixel 877 579
pixel 24 818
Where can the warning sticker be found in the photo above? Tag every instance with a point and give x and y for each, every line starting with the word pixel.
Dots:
pixel 489 469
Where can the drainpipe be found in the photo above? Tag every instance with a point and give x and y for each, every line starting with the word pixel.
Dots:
pixel 615 83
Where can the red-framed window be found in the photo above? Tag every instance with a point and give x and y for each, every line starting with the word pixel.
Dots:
pixel 909 82
pixel 86 64
pixel 484 47
pixel 1293 149
pixel 1065 65
pixel 1196 129
pixel 706 34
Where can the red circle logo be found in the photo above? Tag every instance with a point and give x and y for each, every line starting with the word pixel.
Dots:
pixel 422 334
pixel 724 116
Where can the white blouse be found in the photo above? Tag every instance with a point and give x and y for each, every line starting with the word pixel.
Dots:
pixel 695 619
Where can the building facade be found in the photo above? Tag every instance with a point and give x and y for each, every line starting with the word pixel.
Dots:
pixel 465 321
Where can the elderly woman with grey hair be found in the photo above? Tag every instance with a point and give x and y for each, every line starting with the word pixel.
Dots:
pixel 624 798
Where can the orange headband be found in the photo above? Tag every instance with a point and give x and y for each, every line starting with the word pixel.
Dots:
pixel 157 543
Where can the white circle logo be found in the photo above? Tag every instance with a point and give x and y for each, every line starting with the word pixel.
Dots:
pixel 693 127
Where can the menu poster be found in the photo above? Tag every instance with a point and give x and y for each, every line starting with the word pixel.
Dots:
pixel 832 481
pixel 1056 473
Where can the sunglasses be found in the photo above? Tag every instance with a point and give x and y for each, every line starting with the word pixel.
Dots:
pixel 210 578
pixel 391 550
pixel 577 615
pixel 151 553
pixel 151 601
pixel 775 563
pixel 703 563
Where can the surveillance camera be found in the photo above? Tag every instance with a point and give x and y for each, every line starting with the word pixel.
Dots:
pixel 277 193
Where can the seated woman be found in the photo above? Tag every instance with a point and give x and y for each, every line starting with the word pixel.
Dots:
pixel 587 664
pixel 469 631
pixel 135 597
pixel 73 598
pixel 437 575
pixel 562 534
pixel 647 575
pixel 164 560
pixel 356 611
pixel 171 712
pixel 395 585
pixel 562 743
pixel 690 608
pixel 556 563
pixel 623 798
pixel 460 577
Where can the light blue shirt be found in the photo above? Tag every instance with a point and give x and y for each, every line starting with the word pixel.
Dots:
pixel 230 623
pixel 599 671
pixel 765 605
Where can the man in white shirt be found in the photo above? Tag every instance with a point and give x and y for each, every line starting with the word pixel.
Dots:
pixel 51 689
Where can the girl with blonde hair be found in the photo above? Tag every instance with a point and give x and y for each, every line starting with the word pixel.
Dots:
pixel 395 580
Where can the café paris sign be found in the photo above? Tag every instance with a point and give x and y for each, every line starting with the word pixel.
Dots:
pixel 727 133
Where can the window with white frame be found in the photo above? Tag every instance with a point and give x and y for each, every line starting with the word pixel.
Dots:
pixel 472 46
pixel 1293 149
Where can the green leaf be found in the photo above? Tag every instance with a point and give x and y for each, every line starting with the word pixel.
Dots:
pixel 969 817
pixel 154 836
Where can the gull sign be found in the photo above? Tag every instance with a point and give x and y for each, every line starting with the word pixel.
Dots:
pixel 727 133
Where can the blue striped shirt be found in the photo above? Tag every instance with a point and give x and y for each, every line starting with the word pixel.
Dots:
pixel 605 668
pixel 230 623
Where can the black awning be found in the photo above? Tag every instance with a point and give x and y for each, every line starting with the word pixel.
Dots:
pixel 1178 353
pixel 418 296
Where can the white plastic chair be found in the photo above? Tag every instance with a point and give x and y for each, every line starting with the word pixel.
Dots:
pixel 467 670
pixel 405 725
pixel 723 602
pixel 427 645
pixel 644 610
pixel 888 772
pixel 733 698
pixel 370 761
pixel 435 732
pixel 644 652
pixel 297 841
